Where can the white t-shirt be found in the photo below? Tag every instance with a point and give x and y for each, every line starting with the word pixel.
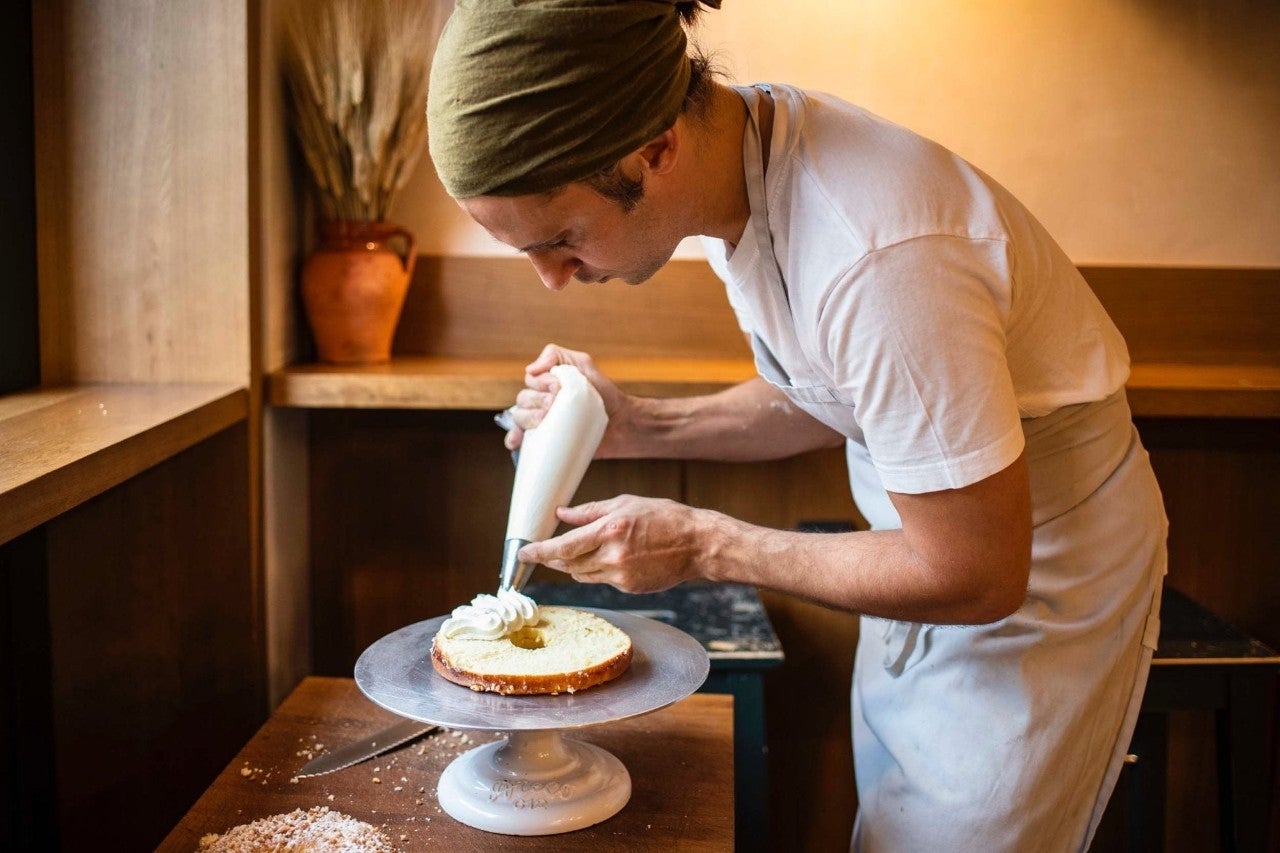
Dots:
pixel 902 297
pixel 923 313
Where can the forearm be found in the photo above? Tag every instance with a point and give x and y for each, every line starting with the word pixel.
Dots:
pixel 752 421
pixel 875 573
pixel 962 556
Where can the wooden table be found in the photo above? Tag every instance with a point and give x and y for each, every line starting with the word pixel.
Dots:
pixel 680 760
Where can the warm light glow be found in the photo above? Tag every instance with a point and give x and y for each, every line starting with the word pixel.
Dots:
pixel 1137 132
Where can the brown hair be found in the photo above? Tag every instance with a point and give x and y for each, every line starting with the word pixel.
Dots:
pixel 689 11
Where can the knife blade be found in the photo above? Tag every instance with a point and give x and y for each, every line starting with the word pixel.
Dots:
pixel 365 748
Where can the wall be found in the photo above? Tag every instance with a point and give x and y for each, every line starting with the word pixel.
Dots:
pixel 1139 132
pixel 140 192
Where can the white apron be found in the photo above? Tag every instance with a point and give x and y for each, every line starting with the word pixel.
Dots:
pixel 1009 736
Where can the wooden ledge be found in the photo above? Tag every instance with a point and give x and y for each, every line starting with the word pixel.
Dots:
pixel 1205 390
pixel 481 383
pixel 60 446
pixel 1155 390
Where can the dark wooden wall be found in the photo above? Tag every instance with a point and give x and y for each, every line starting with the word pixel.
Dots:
pixel 133 669
pixel 19 329
pixel 1220 484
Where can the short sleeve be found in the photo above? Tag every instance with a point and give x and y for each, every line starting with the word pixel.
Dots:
pixel 915 333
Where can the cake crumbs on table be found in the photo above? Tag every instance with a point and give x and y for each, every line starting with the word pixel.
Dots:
pixel 316 830
pixel 425 756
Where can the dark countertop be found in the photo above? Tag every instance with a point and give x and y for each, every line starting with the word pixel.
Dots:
pixel 1191 634
pixel 728 619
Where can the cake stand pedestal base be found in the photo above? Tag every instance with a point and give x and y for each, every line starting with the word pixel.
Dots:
pixel 534 783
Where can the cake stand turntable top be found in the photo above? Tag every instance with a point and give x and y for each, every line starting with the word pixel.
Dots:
pixel 666 665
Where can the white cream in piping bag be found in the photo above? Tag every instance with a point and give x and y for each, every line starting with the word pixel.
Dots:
pixel 491 617
pixel 553 459
pixel 554 456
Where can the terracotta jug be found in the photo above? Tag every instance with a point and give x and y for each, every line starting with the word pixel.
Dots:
pixel 353 287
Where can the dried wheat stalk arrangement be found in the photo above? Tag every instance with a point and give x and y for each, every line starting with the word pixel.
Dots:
pixel 357 74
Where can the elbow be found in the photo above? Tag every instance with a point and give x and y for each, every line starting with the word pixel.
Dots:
pixel 1000 595
pixel 992 594
pixel 997 605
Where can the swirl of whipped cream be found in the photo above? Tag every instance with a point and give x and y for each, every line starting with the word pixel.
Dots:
pixel 490 617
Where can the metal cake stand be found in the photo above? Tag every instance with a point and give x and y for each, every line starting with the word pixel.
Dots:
pixel 536 781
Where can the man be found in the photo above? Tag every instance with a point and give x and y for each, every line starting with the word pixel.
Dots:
pixel 899 302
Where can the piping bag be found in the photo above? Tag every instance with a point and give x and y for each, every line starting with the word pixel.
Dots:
pixel 553 457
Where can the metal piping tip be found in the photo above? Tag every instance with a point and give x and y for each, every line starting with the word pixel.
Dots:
pixel 514 574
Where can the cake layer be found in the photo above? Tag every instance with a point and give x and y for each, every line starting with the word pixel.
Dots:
pixel 566 650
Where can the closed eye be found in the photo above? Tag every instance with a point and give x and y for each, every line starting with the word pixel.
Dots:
pixel 557 242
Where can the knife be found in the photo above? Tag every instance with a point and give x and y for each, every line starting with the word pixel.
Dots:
pixel 365 748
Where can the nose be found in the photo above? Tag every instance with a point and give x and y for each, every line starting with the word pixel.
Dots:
pixel 555 270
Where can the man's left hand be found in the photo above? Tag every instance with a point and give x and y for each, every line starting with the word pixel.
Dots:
pixel 632 543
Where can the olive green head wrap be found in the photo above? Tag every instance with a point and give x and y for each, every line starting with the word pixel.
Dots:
pixel 529 95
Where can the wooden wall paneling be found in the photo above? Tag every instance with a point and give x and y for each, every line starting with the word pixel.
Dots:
pixel 156 657
pixel 280 339
pixel 27 785
pixel 1193 316
pixel 650 478
pixel 278 224
pixel 407 517
pixel 497 307
pixel 141 187
pixel 1219 480
pixel 19 329
pixel 813 799
pixel 286 551
pixel 1191 807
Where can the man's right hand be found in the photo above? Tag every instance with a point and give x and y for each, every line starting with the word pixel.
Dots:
pixel 748 422
pixel 540 389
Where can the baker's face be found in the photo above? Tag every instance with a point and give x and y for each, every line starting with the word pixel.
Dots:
pixel 578 234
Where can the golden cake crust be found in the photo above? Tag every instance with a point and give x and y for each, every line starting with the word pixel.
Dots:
pixel 575 651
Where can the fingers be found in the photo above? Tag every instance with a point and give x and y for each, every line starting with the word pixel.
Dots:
pixel 553 354
pixel 558 550
pixel 588 535
pixel 634 544
pixel 550 356
pixel 584 513
pixel 534 401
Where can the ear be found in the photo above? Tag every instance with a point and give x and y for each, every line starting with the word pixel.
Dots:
pixel 660 154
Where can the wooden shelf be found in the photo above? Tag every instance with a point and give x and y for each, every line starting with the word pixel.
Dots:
pixel 1205 390
pixel 60 446
pixel 1155 390
pixel 471 383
